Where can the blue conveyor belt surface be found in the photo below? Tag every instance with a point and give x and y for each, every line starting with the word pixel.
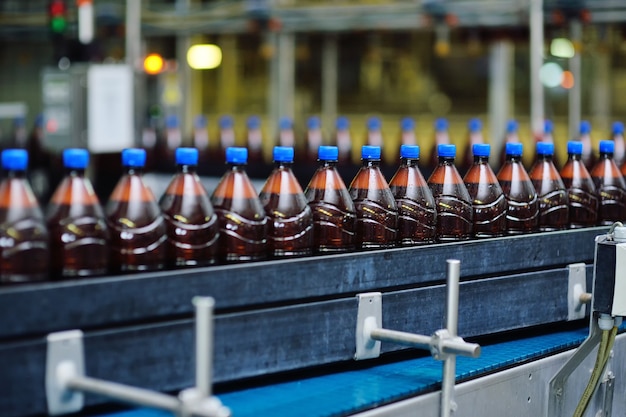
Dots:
pixel 353 391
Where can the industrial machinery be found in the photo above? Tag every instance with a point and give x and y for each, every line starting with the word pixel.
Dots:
pixel 287 334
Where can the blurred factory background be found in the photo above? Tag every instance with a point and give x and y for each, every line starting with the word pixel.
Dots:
pixel 104 72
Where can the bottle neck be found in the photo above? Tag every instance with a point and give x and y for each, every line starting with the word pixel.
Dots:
pixel 371 162
pixel 481 159
pixel 513 158
pixel 134 170
pixel 446 160
pixel 187 169
pixel 409 162
pixel 327 164
pixel 282 164
pixel 544 157
pixel 16 173
pixel 606 155
pixel 75 172
pixel 574 156
pixel 237 166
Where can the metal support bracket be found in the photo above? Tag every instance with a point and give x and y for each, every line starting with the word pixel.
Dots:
pixel 576 291
pixel 444 344
pixel 64 360
pixel 66 380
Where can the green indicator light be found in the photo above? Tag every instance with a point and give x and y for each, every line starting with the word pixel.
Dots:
pixel 58 24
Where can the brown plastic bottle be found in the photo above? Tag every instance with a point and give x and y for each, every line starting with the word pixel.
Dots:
pixel 474 136
pixel 452 201
pixel 290 231
pixel 417 217
pixel 376 209
pixel 23 236
pixel 136 226
pixel 551 192
pixel 79 236
pixel 442 137
pixel 192 226
pixel 343 140
pixel 522 214
pixel 488 201
pixel 610 186
pixel 242 220
pixel 583 201
pixel 334 215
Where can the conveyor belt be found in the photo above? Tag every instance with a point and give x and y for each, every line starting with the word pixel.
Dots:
pixel 353 391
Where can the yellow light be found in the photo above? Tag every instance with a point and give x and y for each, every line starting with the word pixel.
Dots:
pixel 204 56
pixel 562 48
pixel 153 64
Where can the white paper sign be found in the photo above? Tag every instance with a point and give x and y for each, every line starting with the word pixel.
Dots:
pixel 110 108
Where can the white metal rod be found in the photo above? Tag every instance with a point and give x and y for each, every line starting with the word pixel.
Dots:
pixel 125 393
pixel 402 338
pixel 456 347
pixel 452 302
pixel 204 344
pixel 536 61
pixel 447 386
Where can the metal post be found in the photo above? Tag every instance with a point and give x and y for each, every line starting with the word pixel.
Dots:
pixel 286 74
pixel 536 61
pixel 330 69
pixel 452 316
pixel 227 75
pixel 204 344
pixel 500 81
pixel 133 59
pixel 576 33
pixel 183 42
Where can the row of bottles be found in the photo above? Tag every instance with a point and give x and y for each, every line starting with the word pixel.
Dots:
pixel 187 227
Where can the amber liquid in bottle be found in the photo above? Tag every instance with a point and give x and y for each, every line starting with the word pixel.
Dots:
pixel 583 202
pixel 334 215
pixel 522 214
pixel 610 188
pixel 376 210
pixel 192 226
pixel 79 236
pixel 242 220
pixel 24 252
pixel 138 231
pixel 552 194
pixel 453 202
pixel 417 217
pixel 488 200
pixel 290 231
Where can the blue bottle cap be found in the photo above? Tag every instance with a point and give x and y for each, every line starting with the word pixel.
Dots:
pixel 75 158
pixel 512 126
pixel 618 128
pixel 607 146
pixel 283 154
pixel 446 151
pixel 585 127
pixel 441 124
pixel 481 149
pixel 575 147
pixel 407 124
pixel 514 149
pixel 134 157
pixel 186 156
pixel 15 159
pixel 548 126
pixel 171 122
pixel 200 121
pixel 314 123
pixel 236 155
pixel 545 148
pixel 253 122
pixel 475 125
pixel 342 123
pixel 285 123
pixel 328 153
pixel 370 152
pixel 410 151
pixel 374 123
pixel 226 122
